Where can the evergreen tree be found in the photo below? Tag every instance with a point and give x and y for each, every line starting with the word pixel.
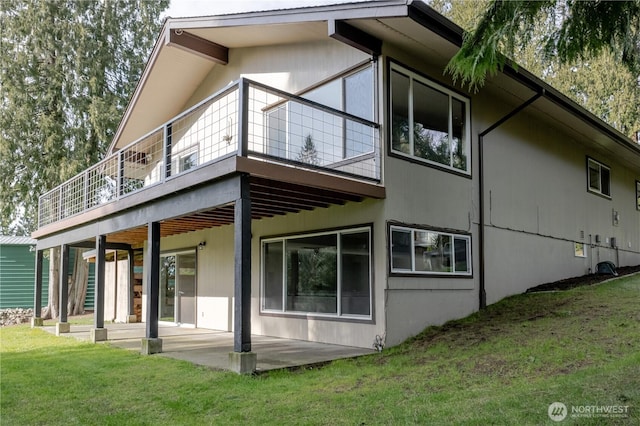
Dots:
pixel 597 82
pixel 308 153
pixel 584 30
pixel 67 71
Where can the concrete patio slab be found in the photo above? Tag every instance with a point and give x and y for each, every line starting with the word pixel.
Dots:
pixel 210 348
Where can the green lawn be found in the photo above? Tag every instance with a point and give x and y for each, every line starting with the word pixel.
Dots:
pixel 501 366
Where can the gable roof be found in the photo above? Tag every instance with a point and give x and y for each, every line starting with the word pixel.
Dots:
pixel 174 71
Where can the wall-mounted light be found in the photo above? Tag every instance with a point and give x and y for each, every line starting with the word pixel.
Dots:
pixel 201 245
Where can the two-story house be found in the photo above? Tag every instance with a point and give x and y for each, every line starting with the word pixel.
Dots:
pixel 314 174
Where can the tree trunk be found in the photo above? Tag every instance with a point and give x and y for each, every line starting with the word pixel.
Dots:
pixel 78 284
pixel 53 302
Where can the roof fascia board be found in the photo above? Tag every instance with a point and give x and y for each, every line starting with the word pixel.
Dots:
pixel 433 21
pixel 346 11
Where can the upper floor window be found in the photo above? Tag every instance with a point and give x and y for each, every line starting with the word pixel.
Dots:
pixel 638 195
pixel 300 132
pixel 599 177
pixel 429 122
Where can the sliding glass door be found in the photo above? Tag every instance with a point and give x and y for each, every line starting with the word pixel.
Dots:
pixel 178 288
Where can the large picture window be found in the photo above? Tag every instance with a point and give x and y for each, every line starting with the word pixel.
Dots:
pixel 429 122
pixel 598 177
pixel 421 251
pixel 326 273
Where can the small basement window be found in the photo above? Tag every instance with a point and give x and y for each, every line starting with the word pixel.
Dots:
pixel 427 252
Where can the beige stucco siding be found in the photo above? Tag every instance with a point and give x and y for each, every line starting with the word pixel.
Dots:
pixel 537 206
pixel 292 68
pixel 431 198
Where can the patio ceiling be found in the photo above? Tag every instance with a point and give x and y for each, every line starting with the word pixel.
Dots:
pixel 269 198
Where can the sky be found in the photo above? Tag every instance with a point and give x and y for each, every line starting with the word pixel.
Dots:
pixel 182 8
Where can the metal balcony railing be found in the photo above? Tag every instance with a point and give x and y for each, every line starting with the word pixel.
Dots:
pixel 247 119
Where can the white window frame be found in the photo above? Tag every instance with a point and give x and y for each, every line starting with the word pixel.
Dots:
pixel 182 156
pixel 591 186
pixel 452 95
pixel 578 247
pixel 413 270
pixel 338 313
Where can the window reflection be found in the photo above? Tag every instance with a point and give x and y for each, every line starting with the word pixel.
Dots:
pixel 428 121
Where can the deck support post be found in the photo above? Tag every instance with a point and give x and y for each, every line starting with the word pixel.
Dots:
pixel 242 360
pixel 151 344
pixel 98 332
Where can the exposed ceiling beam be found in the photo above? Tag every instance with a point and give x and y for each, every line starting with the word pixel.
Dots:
pixel 198 46
pixel 354 37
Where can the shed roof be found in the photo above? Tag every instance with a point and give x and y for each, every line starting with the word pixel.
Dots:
pixel 11 240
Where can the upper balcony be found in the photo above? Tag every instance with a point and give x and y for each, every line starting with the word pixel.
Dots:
pixel 245 120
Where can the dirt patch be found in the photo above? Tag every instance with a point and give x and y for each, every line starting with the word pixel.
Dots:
pixel 584 280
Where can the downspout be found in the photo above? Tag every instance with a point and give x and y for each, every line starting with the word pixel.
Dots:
pixel 483 292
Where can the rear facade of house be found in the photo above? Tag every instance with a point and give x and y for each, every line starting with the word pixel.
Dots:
pixel 314 174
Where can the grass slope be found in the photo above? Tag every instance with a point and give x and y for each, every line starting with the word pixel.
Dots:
pixel 504 365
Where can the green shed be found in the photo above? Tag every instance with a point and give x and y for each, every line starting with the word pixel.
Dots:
pixel 17 274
